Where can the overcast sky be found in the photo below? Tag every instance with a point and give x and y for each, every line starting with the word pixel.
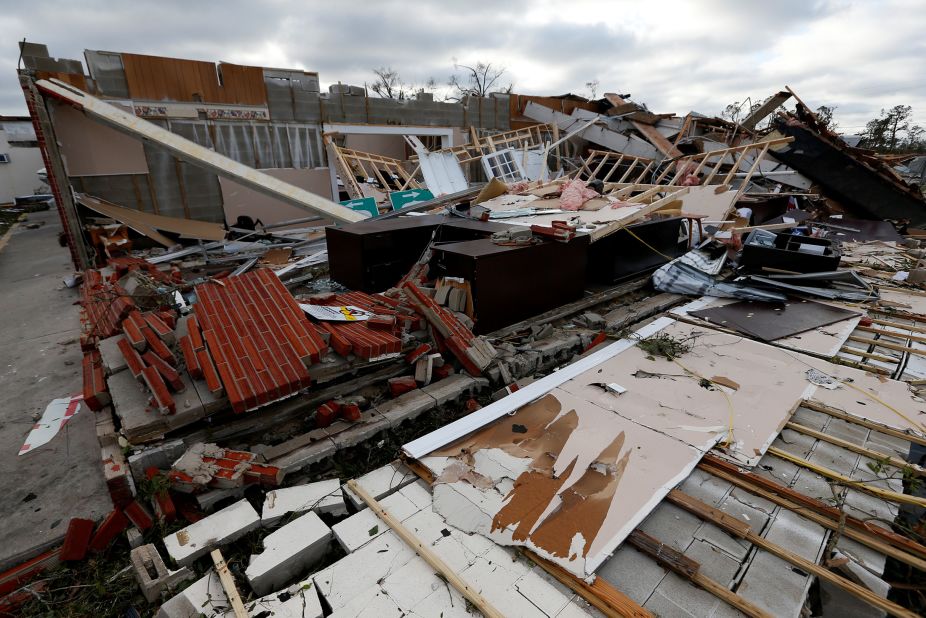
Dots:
pixel 674 56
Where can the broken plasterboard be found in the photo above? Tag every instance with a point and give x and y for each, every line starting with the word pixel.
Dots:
pixel 574 500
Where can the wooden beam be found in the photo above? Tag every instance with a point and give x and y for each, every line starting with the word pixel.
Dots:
pixel 740 529
pixel 887 333
pixel 228 584
pixel 443 569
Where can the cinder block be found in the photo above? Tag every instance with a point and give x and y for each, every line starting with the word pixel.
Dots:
pixel 152 574
pixel 218 529
pixel 287 552
pixel 321 497
pixel 360 528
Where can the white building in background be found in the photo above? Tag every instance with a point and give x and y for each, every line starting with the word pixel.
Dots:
pixel 20 159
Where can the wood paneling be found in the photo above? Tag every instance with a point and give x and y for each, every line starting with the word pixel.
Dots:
pixel 75 79
pixel 155 78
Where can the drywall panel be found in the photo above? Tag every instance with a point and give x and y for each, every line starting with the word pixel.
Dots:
pixel 238 200
pixel 713 201
pixel 565 478
pixel 91 149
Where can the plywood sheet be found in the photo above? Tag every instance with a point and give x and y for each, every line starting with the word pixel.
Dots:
pixel 155 78
pixel 91 149
pixel 148 224
pixel 239 200
pixel 824 341
pixel 712 201
pixel 771 321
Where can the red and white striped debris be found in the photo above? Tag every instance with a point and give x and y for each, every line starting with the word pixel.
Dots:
pixel 56 415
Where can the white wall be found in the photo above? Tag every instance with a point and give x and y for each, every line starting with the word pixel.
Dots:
pixel 18 177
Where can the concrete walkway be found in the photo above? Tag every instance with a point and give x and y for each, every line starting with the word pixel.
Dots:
pixel 40 360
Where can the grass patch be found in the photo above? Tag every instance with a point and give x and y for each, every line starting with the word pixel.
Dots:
pixel 665 346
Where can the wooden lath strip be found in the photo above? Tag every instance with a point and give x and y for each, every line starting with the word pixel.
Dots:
pixel 744 481
pixel 742 530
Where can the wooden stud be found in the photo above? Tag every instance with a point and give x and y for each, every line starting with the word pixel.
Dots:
pixel 887 333
pixel 228 583
pixel 721 519
pixel 444 570
pixel 878 357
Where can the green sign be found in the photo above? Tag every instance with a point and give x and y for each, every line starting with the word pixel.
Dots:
pixel 363 204
pixel 404 199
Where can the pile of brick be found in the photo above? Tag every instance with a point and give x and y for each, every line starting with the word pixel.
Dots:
pixel 378 337
pixel 474 353
pixel 258 337
pixel 205 466
pixel 104 304
pixel 149 359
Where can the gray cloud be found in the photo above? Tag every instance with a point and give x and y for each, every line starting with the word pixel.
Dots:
pixel 673 56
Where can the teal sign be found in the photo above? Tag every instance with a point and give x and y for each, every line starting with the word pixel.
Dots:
pixel 404 199
pixel 363 204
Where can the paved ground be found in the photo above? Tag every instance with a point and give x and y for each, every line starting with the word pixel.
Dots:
pixel 39 361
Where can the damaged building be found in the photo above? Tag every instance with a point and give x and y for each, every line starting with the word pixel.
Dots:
pixel 513 355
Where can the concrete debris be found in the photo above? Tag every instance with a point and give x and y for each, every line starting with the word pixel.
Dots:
pixel 239 353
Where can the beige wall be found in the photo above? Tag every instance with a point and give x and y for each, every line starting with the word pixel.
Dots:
pixel 91 149
pixel 18 177
pixel 240 200
pixel 383 145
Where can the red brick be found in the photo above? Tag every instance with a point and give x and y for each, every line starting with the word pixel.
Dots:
pixel 413 356
pixel 162 399
pixel 134 335
pixel 111 527
pixel 327 413
pixel 209 373
pixel 439 373
pixel 192 325
pixel 350 412
pixel 156 324
pixel 169 318
pixel 402 385
pixel 189 358
pixel 77 539
pixel 170 375
pixel 157 346
pixel 139 516
pixel 133 360
pixel 268 476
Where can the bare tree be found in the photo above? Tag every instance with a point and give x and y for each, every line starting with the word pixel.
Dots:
pixel 477 80
pixel 388 84
pixel 592 89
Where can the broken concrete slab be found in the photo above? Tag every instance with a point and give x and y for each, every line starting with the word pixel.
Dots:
pixel 205 596
pixel 287 552
pixel 321 497
pixel 113 359
pixel 360 528
pixel 298 601
pixel 216 530
pixel 381 482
